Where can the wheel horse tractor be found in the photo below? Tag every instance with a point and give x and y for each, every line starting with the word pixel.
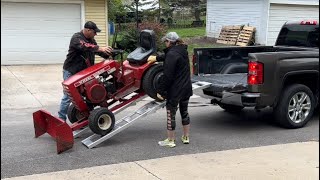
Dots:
pixel 100 90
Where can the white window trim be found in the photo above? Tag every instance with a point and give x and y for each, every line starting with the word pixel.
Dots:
pixel 268 18
pixel 297 2
pixel 81 2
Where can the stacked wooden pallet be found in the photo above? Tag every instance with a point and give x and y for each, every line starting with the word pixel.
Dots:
pixel 229 35
pixel 246 36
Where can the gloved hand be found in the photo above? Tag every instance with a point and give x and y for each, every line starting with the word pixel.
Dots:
pixel 160 97
pixel 152 59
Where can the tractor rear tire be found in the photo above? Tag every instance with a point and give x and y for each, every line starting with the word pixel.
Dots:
pixel 74 115
pixel 151 79
pixel 101 121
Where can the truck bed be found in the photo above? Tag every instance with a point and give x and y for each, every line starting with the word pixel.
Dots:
pixel 223 82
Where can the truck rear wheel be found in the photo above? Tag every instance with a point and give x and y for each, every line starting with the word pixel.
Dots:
pixel 296 106
pixel 230 108
pixel 151 80
pixel 101 121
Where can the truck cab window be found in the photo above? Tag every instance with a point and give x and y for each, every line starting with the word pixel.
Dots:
pixel 297 35
pixel 313 38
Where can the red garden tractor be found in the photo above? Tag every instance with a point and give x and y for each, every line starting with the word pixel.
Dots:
pixel 99 90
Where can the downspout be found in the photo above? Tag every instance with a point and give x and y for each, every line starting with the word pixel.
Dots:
pixel 107 22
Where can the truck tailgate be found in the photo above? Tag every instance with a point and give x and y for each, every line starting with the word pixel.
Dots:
pixel 224 82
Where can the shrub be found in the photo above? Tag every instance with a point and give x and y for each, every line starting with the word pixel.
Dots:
pixel 130 37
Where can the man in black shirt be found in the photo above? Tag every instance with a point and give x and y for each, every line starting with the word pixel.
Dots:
pixel 82 50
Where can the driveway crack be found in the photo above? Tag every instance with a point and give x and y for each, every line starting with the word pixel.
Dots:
pixel 25 86
pixel 147 170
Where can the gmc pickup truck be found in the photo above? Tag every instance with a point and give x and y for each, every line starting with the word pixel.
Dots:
pixel 284 77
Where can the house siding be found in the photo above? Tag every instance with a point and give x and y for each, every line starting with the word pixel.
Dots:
pixel 233 12
pixel 96 11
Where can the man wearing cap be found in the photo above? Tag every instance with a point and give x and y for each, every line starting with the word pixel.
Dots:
pixel 176 86
pixel 81 54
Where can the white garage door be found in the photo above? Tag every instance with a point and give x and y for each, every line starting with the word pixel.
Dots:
pixel 279 14
pixel 37 33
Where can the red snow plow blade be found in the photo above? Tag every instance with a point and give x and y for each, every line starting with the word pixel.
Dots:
pixel 44 122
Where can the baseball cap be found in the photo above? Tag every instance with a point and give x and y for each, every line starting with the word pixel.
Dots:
pixel 92 25
pixel 171 36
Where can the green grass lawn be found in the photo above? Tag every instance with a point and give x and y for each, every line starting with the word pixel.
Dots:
pixel 187 33
pixel 190 32
pixel 194 45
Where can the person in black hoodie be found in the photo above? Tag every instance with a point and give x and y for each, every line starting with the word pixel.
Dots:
pixel 82 50
pixel 176 86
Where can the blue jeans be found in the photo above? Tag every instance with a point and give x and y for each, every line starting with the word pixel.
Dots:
pixel 65 101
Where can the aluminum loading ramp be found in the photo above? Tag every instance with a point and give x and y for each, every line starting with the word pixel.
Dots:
pixel 124 123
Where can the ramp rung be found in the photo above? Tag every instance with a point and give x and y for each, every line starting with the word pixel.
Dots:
pixel 122 123
pixel 78 133
pixel 200 85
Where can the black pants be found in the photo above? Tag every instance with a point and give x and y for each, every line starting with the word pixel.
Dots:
pixel 172 107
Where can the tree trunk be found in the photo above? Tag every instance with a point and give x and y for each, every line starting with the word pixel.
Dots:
pixel 197 15
pixel 197 10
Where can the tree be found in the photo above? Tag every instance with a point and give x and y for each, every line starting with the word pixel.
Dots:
pixel 197 6
pixel 133 4
pixel 115 8
pixel 162 7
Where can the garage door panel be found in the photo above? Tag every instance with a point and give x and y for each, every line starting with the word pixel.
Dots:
pixel 44 27
pixel 36 57
pixel 37 33
pixel 46 10
pixel 34 24
pixel 279 14
pixel 29 43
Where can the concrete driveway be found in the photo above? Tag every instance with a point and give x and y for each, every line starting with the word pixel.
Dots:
pixel 216 135
pixel 30 86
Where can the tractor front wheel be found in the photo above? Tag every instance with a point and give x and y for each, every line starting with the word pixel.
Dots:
pixel 101 121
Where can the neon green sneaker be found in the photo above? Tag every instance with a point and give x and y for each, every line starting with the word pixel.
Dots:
pixel 167 143
pixel 185 139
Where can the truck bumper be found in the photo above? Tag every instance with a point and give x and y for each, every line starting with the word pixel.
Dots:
pixel 243 99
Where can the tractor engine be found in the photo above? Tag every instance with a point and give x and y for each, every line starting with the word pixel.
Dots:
pixel 95 91
pixel 99 89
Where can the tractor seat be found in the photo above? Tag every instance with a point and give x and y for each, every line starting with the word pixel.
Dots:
pixel 147 43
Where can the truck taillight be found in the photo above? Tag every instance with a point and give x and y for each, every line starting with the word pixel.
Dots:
pixel 309 22
pixel 255 73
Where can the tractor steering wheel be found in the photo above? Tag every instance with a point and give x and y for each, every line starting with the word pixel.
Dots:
pixel 116 52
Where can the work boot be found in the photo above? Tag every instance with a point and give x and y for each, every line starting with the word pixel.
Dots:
pixel 185 139
pixel 167 143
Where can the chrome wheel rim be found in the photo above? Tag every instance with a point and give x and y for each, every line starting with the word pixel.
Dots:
pixel 104 122
pixel 299 107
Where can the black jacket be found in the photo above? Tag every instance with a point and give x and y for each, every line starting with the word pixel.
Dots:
pixel 81 50
pixel 176 83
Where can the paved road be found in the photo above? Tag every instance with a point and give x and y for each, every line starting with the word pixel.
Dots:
pixel 212 130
